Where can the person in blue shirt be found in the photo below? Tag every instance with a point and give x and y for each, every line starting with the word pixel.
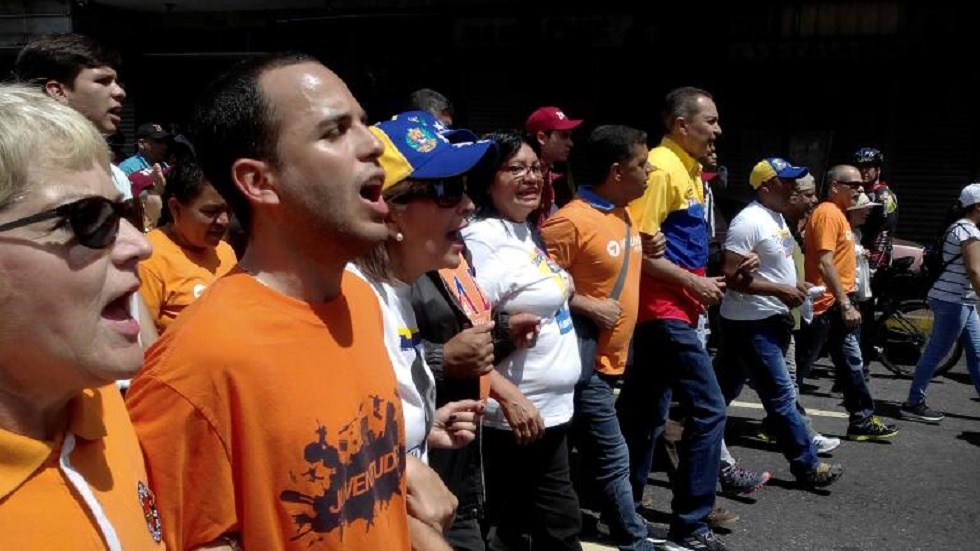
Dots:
pixel 151 148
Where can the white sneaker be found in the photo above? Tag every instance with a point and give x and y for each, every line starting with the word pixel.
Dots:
pixel 825 444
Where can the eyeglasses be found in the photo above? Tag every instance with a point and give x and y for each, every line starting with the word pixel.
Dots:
pixel 93 220
pixel 857 183
pixel 445 193
pixel 521 171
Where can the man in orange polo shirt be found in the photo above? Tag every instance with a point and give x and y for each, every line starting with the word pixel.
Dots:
pixel 830 263
pixel 593 238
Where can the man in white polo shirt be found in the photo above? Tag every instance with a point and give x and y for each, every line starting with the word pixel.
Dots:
pixel 756 319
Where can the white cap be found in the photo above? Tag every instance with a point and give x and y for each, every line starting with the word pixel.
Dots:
pixel 862 201
pixel 970 195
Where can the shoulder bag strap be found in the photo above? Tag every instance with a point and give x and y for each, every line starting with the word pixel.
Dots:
pixel 627 252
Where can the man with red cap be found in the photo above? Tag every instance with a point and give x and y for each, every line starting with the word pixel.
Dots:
pixel 550 133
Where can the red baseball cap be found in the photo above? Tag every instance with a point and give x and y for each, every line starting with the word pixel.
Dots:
pixel 142 180
pixel 549 118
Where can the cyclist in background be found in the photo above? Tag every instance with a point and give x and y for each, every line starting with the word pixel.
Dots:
pixel 879 230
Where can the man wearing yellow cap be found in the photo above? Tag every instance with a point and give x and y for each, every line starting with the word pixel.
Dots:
pixel 756 319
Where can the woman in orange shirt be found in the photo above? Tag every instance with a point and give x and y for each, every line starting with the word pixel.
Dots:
pixel 188 250
pixel 71 470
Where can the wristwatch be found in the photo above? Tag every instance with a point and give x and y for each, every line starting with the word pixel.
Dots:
pixel 846 305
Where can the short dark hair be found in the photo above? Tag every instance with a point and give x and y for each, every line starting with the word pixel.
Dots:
pixel 430 101
pixel 61 57
pixel 479 180
pixel 232 121
pixel 185 182
pixel 681 102
pixel 609 144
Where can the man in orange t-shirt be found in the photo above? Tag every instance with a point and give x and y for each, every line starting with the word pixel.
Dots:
pixel 593 239
pixel 830 262
pixel 268 411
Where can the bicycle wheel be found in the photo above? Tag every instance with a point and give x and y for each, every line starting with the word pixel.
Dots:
pixel 902 336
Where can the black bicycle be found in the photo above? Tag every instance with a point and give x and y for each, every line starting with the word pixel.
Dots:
pixel 903 322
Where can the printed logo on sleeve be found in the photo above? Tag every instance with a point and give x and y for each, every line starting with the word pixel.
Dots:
pixel 148 503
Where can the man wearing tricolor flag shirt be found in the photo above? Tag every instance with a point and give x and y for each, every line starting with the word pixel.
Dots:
pixel 668 355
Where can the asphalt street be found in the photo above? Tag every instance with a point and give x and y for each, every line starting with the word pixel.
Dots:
pixel 919 491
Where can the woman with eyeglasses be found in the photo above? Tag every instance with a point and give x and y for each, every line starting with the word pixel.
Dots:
pixel 425 191
pixel 68 253
pixel 189 252
pixel 529 490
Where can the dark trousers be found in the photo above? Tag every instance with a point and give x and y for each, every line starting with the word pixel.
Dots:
pixel 844 345
pixel 529 490
pixel 669 358
pixel 756 349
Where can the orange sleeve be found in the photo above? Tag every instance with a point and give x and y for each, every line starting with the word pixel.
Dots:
pixel 192 476
pixel 824 230
pixel 561 237
pixel 151 289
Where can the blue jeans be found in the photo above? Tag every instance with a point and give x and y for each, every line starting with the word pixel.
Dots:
pixel 606 460
pixel 757 349
pixel 668 357
pixel 951 321
pixel 844 344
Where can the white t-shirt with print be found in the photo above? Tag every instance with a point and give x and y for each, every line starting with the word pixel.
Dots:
pixel 416 386
pixel 517 276
pixel 953 284
pixel 765 232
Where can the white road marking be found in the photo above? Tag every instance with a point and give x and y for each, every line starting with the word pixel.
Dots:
pixel 810 412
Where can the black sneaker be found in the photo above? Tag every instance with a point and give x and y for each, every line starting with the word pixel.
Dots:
pixel 824 475
pixel 705 541
pixel 736 481
pixel 872 429
pixel 919 412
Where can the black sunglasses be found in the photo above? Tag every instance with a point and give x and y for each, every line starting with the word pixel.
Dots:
pixel 857 183
pixel 446 193
pixel 94 220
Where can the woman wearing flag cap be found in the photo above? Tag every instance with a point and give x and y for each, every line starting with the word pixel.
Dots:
pixel 428 206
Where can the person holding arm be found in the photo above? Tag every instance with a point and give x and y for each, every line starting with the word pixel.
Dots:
pixel 669 357
pixel 529 489
pixel 953 301
pixel 756 319
pixel 592 238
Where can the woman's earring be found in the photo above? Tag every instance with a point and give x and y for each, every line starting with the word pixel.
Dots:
pixel 399 237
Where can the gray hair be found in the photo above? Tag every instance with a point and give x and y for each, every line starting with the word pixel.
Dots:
pixel 38 132
pixel 681 102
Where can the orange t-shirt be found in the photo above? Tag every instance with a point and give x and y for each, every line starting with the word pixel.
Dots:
pixel 87 490
pixel 474 302
pixel 828 230
pixel 275 420
pixel 174 277
pixel 589 243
